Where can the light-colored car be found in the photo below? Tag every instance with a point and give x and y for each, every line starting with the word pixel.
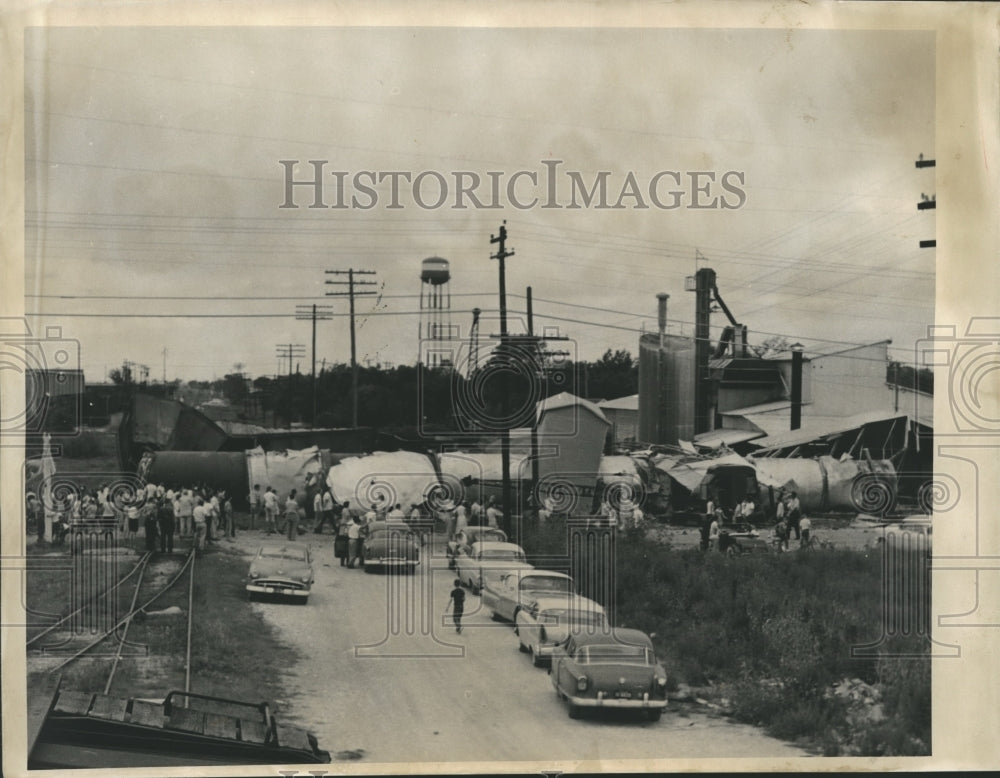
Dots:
pixel 612 669
pixel 505 594
pixel 391 544
pixel 466 537
pixel 547 621
pixel 281 568
pixel 487 558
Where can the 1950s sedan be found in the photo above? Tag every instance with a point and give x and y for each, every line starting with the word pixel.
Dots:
pixel 505 594
pixel 391 545
pixel 488 559
pixel 614 669
pixel 464 538
pixel 548 620
pixel 281 568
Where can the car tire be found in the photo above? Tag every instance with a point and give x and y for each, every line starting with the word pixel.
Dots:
pixel 495 616
pixel 521 647
pixel 653 714
pixel 573 710
pixel 368 568
pixel 732 551
pixel 536 660
pixel 475 588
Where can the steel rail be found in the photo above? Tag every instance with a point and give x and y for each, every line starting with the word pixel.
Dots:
pixel 142 561
pixel 128 616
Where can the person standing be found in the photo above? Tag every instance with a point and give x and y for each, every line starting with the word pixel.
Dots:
pixel 185 513
pixel 165 526
pixel 353 541
pixel 228 519
pixel 476 513
pixel 341 544
pixel 794 515
pixel 461 518
pixel 493 514
pixel 199 517
pixel 713 533
pixel 456 603
pixel 256 505
pixel 292 517
pixel 270 510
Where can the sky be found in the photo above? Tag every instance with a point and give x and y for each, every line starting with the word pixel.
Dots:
pixel 155 230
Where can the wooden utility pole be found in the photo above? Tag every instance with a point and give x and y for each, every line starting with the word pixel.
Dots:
pixel 351 293
pixel 501 256
pixel 313 312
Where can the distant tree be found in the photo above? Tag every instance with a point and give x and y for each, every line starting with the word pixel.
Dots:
pixel 122 376
pixel 776 344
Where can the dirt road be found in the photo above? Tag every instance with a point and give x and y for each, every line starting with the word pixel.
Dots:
pixel 385 678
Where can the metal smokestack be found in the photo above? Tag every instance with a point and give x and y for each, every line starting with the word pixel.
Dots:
pixel 661 311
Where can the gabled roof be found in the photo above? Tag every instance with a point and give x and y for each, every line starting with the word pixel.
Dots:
pixel 567 400
pixel 629 403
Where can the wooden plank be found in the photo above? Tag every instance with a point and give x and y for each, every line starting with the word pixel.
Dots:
pixel 290 737
pixel 39 705
pixel 253 731
pixel 187 720
pixel 105 707
pixel 149 714
pixel 74 703
pixel 217 725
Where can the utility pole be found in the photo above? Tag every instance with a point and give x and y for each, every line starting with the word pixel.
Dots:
pixel 351 283
pixel 313 312
pixel 501 256
pixel 164 352
pixel 290 351
pixel 925 201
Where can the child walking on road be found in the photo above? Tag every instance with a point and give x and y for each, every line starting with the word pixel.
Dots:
pixel 458 601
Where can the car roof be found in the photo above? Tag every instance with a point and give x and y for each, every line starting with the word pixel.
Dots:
pixel 541 573
pixel 616 636
pixel 577 601
pixel 290 545
pixel 496 545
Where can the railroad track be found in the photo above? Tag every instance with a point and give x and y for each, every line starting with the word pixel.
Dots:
pixel 100 628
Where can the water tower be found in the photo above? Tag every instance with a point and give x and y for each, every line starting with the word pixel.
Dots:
pixel 435 310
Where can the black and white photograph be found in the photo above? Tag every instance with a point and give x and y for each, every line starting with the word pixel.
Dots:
pixel 499 390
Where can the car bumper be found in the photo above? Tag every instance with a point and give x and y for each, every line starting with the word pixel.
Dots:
pixel 263 588
pixel 391 562
pixel 645 702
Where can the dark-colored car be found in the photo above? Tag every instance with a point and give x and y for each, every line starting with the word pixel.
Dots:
pixel 464 539
pixel 741 538
pixel 616 668
pixel 391 544
pixel 281 568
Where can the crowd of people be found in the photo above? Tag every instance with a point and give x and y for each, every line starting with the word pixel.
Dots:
pixel 787 518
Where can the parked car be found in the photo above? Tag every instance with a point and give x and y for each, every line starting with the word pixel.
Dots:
pixel 609 669
pixel 281 568
pixel 505 594
pixel 391 544
pixel 488 558
pixel 547 621
pixel 465 538
pixel 741 538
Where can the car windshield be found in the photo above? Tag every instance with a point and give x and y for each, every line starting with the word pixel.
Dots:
pixel 572 617
pixel 544 583
pixel 617 654
pixel 283 552
pixel 392 533
pixel 504 554
pixel 488 534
